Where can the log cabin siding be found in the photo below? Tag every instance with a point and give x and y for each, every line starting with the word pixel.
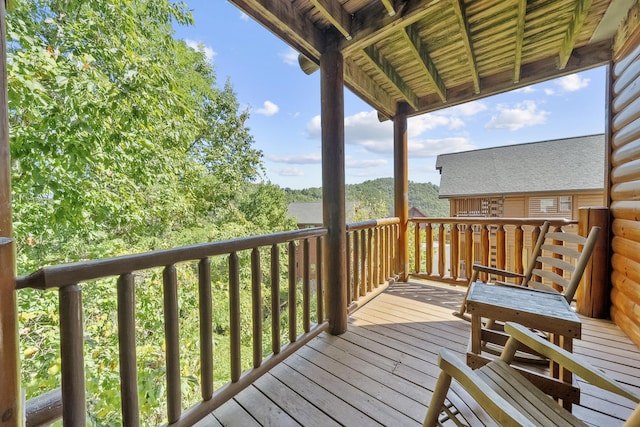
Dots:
pixel 625 188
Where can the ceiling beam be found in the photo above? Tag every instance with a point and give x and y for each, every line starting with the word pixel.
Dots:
pixel 335 13
pixel 459 10
pixel 522 12
pixel 419 50
pixel 571 36
pixel 391 75
pixel 582 58
pixel 366 88
pixel 368 27
pixel 388 4
pixel 283 20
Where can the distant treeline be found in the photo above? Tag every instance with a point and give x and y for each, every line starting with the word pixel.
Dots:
pixel 377 195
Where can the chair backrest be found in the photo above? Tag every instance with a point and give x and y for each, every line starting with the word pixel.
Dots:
pixel 556 253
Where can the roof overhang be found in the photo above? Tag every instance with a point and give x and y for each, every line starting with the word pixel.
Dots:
pixel 432 54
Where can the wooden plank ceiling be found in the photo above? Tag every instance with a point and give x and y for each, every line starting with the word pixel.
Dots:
pixel 432 54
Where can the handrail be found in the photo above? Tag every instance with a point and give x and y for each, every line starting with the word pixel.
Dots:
pixel 374 244
pixel 60 275
pixel 554 222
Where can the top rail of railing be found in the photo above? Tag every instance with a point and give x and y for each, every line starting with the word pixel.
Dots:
pixel 536 222
pixel 64 274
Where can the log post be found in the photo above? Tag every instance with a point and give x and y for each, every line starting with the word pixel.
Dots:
pixel 333 187
pixel 10 407
pixel 401 188
pixel 593 294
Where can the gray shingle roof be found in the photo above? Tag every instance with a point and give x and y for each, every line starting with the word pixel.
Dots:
pixel 570 164
pixel 310 213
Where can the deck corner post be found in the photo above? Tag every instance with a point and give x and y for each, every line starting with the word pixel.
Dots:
pixel 593 294
pixel 10 396
pixel 333 188
pixel 401 188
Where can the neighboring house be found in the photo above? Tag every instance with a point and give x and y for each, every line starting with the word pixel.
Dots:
pixel 415 212
pixel 539 179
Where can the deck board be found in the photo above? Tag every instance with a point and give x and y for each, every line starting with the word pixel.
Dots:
pixel 383 370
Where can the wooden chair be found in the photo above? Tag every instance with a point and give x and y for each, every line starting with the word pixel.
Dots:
pixel 507 396
pixel 550 254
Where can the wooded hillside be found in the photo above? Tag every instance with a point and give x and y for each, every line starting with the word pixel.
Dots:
pixel 377 195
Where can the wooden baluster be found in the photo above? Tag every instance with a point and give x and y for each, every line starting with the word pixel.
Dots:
pixel 72 356
pixel 385 254
pixel 468 251
pixel 370 259
pixel 275 299
pixel 319 280
pixel 306 288
pixel 364 266
pixel 429 252
pixel 442 253
pixel 501 249
pixel 292 293
pixel 206 329
pixel 256 306
pixel 350 279
pixel 234 316
pixel 558 270
pixel 518 246
pixel 455 251
pixel 376 257
pixel 535 233
pixel 416 248
pixel 486 247
pixel 172 343
pixel 356 266
pixel 127 347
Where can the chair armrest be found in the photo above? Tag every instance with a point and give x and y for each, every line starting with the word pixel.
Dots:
pixel 496 271
pixel 568 360
pixel 496 406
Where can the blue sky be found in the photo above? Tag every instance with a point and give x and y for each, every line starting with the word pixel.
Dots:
pixel 284 104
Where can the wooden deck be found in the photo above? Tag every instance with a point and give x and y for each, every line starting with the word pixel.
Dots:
pixel 383 370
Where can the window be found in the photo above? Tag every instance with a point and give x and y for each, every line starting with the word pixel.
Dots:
pixel 565 204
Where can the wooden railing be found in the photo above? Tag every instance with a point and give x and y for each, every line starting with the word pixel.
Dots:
pixel 372 245
pixel 445 248
pixel 371 259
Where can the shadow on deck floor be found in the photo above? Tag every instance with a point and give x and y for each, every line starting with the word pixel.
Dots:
pixel 383 370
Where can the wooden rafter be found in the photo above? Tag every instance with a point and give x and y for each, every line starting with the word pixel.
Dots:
pixel 422 55
pixel 522 11
pixel 583 58
pixel 369 30
pixel 458 7
pixel 571 36
pixel 389 72
pixel 388 4
pixel 282 19
pixel 364 86
pixel 338 17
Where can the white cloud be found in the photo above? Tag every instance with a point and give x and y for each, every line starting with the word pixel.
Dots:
pixel 365 164
pixel 572 82
pixel 290 57
pixel 201 47
pixel 289 172
pixel 365 130
pixel 549 91
pixel 526 89
pixel 244 16
pixel 268 109
pixel 521 115
pixel 297 159
pixel 467 109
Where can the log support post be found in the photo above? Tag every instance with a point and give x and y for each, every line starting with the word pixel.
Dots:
pixel 333 188
pixel 593 294
pixel 10 403
pixel 401 188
